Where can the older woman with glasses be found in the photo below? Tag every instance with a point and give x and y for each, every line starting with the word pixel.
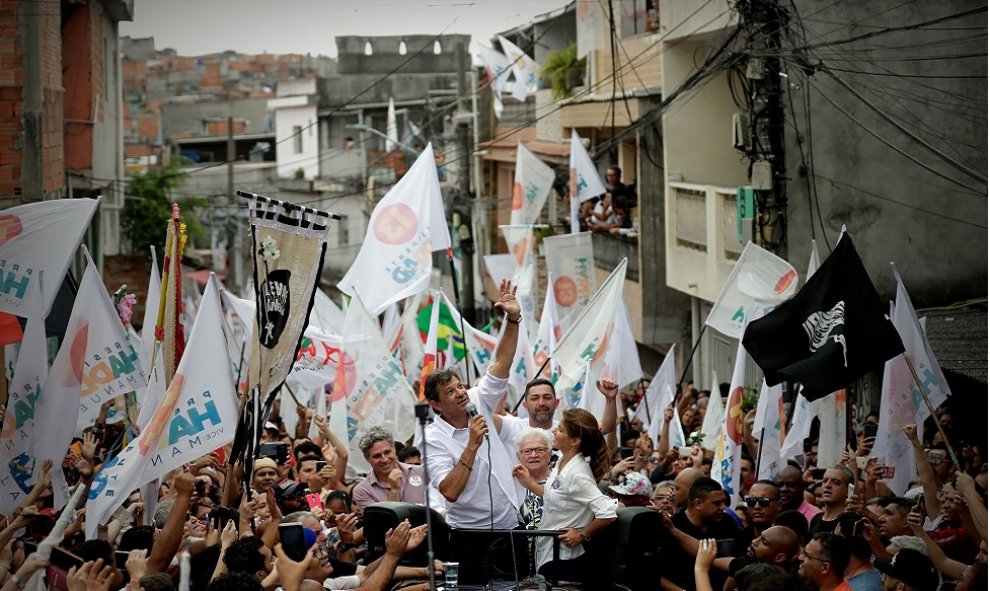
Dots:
pixel 533 448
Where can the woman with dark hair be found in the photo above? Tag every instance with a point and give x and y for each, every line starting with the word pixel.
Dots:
pixel 572 501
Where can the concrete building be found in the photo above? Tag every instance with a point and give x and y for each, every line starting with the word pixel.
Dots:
pixel 60 108
pixel 601 107
pixel 884 132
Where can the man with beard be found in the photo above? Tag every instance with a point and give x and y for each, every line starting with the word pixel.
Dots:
pixel 540 401
pixel 390 479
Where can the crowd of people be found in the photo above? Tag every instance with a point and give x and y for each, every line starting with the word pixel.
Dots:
pixel 486 470
pixel 613 212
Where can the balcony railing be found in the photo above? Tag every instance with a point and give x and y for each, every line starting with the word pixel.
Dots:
pixel 703 238
pixel 610 249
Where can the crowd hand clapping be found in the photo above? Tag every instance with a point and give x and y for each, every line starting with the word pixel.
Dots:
pixel 91 576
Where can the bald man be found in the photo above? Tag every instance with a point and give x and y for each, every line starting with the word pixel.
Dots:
pixel 682 484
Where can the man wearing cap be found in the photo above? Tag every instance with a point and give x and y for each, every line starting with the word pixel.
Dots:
pixel 291 496
pixel 390 479
pixel 633 491
pixel 908 570
pixel 265 475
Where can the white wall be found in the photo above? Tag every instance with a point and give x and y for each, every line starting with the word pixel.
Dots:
pixel 302 152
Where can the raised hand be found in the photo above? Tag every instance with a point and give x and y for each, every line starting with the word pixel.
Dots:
pixel 136 565
pixel 608 387
pixel 89 447
pixel 507 303
pixel 91 576
pixel 707 550
pixel 397 539
pixel 346 524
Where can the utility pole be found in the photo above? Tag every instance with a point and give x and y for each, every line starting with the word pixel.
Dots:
pixel 464 203
pixel 762 21
pixel 233 221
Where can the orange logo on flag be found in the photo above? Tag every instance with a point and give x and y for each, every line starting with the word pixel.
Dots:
pixel 517 196
pixel 396 224
pixel 734 424
pixel 785 282
pixel 10 228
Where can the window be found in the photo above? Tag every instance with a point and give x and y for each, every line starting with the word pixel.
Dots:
pixel 402 48
pixel 368 49
pixel 344 238
pixel 437 50
pixel 297 139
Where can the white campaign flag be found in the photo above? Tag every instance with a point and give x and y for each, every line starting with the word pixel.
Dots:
pixel 150 312
pixel 391 127
pixel 39 237
pixel 547 334
pixel 316 360
pixel 768 427
pixel 831 411
pixel 326 315
pixel 533 182
pixel 898 408
pixel 523 369
pixel 97 362
pixel 500 267
pixel 197 414
pixel 713 415
pixel 379 395
pixel 525 70
pixel 585 181
pixel 623 354
pixel 571 262
pixel 659 396
pixel 804 412
pixel 588 391
pixel 411 347
pixel 919 352
pixel 17 468
pixel 588 336
pixel 728 449
pixel 407 225
pixel 519 240
pixel 498 71
pixel 759 281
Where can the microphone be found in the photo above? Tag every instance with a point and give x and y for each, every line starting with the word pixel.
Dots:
pixel 472 411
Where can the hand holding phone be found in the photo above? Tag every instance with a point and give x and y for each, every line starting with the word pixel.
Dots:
pixel 293 540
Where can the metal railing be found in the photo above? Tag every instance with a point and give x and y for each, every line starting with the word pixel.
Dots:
pixel 610 249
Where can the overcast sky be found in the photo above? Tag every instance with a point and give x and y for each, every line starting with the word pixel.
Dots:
pixel 196 27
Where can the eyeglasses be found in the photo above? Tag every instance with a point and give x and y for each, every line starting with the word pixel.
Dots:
pixel 805 555
pixel 533 450
pixel 763 501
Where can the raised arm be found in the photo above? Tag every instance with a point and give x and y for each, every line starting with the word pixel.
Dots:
pixel 929 481
pixel 505 350
pixel 610 390
pixel 168 541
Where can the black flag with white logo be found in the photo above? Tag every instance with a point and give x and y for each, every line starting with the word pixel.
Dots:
pixel 830 333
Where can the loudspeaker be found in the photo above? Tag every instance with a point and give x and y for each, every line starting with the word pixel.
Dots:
pixel 381 517
pixel 626 554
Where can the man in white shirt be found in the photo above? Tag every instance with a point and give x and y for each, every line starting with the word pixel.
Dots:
pixel 473 473
pixel 540 401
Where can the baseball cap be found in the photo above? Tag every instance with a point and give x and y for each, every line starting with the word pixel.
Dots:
pixel 634 484
pixel 291 490
pixel 911 568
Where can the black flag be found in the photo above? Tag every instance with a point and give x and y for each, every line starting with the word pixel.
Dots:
pixel 830 333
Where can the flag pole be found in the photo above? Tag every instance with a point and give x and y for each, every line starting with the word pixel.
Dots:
pixel 759 450
pixel 687 366
pixel 931 410
pixel 457 302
